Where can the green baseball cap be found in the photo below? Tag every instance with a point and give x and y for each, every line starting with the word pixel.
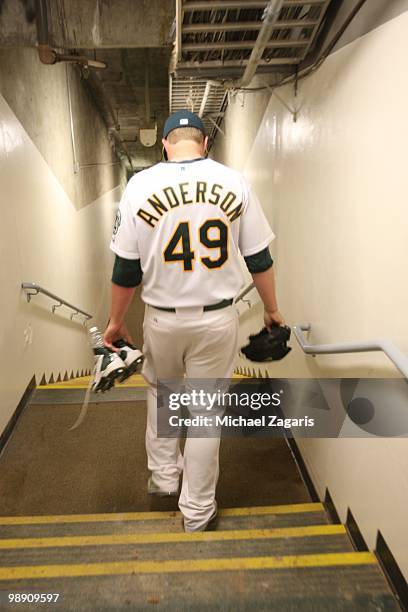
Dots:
pixel 180 119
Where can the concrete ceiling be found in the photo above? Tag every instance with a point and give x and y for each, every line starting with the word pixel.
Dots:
pixel 136 85
pixel 134 39
pixel 143 41
pixel 90 24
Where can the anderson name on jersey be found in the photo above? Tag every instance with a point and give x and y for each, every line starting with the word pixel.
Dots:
pixel 187 222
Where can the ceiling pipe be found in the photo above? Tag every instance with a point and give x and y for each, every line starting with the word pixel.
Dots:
pixel 122 145
pixel 269 18
pixel 102 101
pixel 205 98
pixel 147 86
pixel 49 56
pixel 322 33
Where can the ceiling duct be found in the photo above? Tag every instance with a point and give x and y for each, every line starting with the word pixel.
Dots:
pixel 233 39
pixel 222 44
pixel 204 97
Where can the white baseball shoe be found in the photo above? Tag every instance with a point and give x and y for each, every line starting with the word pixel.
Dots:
pixel 210 525
pixel 108 368
pixel 131 356
pixel 153 489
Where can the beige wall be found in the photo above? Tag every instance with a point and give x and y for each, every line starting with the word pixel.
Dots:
pixel 38 95
pixel 334 186
pixel 55 225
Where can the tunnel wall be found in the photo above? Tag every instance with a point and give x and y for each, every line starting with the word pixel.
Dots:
pixel 334 187
pixel 55 223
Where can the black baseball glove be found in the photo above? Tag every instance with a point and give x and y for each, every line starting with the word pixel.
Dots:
pixel 268 345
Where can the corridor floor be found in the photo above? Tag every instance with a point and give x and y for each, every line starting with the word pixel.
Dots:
pixel 101 466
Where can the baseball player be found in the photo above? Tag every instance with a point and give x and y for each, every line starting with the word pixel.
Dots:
pixel 179 230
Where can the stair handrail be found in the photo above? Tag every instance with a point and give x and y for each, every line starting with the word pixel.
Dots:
pixel 394 354
pixel 34 289
pixel 244 292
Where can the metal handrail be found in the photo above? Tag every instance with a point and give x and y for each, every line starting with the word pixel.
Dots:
pixel 398 358
pixel 34 289
pixel 244 292
pixel 394 354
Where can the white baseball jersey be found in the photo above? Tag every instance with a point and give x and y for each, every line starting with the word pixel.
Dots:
pixel 187 222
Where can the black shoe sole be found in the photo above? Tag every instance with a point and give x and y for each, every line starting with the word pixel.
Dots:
pixel 164 495
pixel 130 370
pixel 108 381
pixel 212 523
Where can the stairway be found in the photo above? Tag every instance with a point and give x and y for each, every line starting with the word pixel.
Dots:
pixel 282 558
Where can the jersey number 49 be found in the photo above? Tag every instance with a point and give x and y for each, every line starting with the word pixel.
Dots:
pixel 179 246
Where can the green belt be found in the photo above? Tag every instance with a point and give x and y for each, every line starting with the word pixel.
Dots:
pixel 217 306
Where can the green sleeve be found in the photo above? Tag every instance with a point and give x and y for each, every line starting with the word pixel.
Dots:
pixel 127 272
pixel 259 262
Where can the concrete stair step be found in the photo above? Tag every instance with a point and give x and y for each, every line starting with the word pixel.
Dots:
pixel 177 546
pixel 313 582
pixel 265 558
pixel 261 517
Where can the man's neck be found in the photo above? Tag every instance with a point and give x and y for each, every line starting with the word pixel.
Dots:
pixel 186 153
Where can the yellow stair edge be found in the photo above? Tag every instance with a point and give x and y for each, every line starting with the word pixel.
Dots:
pixel 161 538
pixel 33 572
pixel 82 382
pixel 148 516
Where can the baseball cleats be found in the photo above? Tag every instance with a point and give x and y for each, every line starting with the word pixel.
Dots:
pixel 108 368
pixel 153 489
pixel 211 524
pixel 131 357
